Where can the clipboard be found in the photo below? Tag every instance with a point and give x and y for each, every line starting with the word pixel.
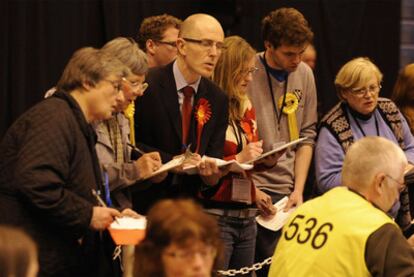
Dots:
pixel 174 163
pixel 276 222
pixel 234 166
pixel 278 149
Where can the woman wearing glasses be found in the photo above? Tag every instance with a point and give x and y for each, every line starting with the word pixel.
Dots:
pixel 234 200
pixel 180 241
pixel 360 113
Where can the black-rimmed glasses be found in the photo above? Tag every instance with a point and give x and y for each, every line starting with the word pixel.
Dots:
pixel 170 43
pixel 207 43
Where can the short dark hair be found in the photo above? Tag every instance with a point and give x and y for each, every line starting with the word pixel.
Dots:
pixel 153 27
pixel 286 26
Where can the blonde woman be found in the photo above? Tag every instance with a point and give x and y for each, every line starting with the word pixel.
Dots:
pixel 234 201
pixel 360 113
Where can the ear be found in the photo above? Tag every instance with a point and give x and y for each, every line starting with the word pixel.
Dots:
pixel 267 44
pixel 87 85
pixel 378 183
pixel 181 46
pixel 150 45
pixel 343 95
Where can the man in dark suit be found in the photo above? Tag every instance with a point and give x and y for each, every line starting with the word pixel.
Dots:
pixel 183 107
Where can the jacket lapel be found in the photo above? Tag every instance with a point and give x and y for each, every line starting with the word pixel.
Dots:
pixel 169 97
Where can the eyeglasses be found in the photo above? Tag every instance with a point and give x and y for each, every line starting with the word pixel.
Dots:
pixel 170 43
pixel 207 43
pixel 363 91
pixel 189 255
pixel 115 84
pixel 136 85
pixel 401 187
pixel 251 70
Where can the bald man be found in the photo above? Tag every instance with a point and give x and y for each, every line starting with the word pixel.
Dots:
pixel 346 232
pixel 166 119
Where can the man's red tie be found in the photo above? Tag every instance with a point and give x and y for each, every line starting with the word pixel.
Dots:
pixel 186 112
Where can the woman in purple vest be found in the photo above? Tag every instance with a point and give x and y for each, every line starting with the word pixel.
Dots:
pixel 361 112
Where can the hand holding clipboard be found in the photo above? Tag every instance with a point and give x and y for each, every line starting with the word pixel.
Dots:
pixel 276 150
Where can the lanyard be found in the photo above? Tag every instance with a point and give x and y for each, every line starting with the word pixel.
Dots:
pixel 238 134
pixel 360 128
pixel 269 82
pixel 107 191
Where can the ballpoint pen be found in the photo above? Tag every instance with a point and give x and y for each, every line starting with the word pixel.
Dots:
pixel 136 148
pixel 101 202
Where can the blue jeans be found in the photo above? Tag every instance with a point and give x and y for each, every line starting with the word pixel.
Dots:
pixel 239 240
pixel 266 243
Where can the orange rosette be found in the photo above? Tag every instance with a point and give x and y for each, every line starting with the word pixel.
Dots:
pixel 202 115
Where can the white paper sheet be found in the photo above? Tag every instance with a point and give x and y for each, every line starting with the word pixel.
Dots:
pixel 129 223
pixel 276 222
pixel 174 163
pixel 234 166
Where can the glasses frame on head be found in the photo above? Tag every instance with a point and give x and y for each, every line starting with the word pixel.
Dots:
pixel 207 43
pixel 402 186
pixel 170 43
pixel 361 92
pixel 251 70
pixel 208 252
pixel 135 85
pixel 115 84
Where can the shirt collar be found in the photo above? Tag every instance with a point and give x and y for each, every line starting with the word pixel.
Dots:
pixel 180 82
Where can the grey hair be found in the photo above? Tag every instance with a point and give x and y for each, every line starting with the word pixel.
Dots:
pixel 368 157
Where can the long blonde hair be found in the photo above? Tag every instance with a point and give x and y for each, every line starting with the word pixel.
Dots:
pixel 228 73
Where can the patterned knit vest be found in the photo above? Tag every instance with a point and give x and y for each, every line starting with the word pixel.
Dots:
pixel 337 122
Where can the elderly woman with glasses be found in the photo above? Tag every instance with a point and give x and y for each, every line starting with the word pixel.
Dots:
pixel 360 113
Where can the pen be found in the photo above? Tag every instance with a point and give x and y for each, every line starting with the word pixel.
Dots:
pixel 136 148
pixel 101 202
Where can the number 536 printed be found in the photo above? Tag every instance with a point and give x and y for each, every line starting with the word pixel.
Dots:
pixel 308 230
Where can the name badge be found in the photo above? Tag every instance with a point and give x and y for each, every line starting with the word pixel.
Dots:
pixel 276 145
pixel 241 190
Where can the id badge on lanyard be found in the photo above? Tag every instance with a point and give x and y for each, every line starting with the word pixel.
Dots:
pixel 241 190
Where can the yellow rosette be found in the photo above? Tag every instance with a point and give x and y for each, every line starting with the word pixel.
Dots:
pixel 129 113
pixel 291 105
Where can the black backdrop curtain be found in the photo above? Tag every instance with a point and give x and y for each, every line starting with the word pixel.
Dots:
pixel 38 37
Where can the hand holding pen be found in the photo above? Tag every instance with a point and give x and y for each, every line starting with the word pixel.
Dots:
pixel 103 216
pixel 147 164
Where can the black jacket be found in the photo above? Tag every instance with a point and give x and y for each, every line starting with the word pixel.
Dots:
pixel 48 168
pixel 158 128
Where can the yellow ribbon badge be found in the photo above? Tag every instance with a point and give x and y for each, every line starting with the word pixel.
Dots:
pixel 129 113
pixel 291 105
